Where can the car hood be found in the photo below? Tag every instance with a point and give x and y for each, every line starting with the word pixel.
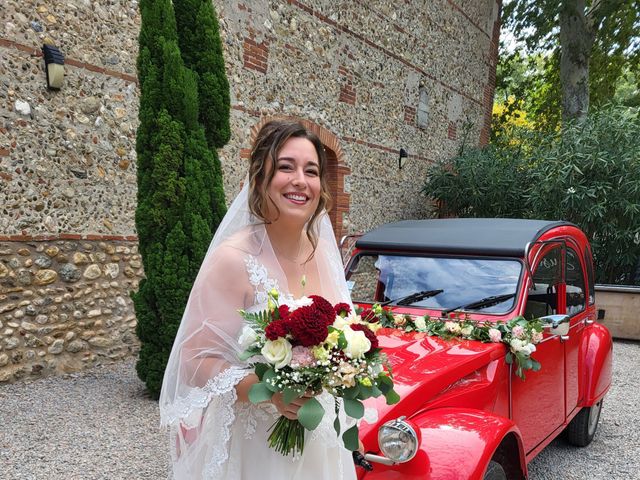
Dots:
pixel 424 366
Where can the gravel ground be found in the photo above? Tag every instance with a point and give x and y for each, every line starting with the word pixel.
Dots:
pixel 100 424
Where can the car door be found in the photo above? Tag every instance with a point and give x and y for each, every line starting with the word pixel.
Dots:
pixel 576 304
pixel 538 402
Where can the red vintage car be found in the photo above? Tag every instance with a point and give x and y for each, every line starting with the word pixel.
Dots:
pixel 463 413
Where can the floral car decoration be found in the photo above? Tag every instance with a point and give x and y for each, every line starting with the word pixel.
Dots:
pixel 309 345
pixel 519 334
pixel 467 308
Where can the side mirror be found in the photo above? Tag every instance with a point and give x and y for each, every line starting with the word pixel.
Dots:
pixel 556 324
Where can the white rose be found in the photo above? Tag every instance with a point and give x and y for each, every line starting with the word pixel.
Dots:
pixel 466 331
pixel 453 327
pixel 247 338
pixel 528 348
pixel 340 322
pixel 277 352
pixel 357 343
pixel 516 344
pixel 495 335
pixel 420 324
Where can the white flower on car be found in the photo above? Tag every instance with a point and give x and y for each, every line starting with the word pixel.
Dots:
pixel 518 331
pixel 466 331
pixel 495 335
pixel 277 352
pixel 523 346
pixel 248 337
pixel 529 348
pixel 453 327
pixel 357 343
pixel 421 324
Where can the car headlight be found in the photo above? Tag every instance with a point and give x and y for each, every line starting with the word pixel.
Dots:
pixel 398 440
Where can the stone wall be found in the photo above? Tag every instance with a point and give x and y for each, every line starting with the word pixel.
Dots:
pixel 65 304
pixel 368 77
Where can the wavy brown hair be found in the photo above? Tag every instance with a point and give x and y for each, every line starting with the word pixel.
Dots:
pixel 262 167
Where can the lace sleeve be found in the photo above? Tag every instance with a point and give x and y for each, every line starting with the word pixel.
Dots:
pixel 200 426
pixel 188 410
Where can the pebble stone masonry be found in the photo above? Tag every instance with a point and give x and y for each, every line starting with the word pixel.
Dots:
pixel 368 77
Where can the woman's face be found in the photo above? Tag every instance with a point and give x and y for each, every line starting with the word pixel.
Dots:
pixel 295 187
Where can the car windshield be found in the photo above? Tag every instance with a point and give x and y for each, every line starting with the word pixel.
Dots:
pixel 380 278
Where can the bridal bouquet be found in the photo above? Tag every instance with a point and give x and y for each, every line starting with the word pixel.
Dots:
pixel 311 345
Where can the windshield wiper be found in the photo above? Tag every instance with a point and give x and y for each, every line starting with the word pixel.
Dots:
pixel 483 303
pixel 413 298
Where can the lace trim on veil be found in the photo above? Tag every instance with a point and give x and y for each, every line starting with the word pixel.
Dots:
pixel 184 408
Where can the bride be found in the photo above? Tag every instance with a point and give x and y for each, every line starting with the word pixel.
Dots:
pixel 276 235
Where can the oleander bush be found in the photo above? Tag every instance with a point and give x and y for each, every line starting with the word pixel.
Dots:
pixel 588 174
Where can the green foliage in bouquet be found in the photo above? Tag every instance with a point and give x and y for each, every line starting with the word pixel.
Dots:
pixel 179 189
pixel 329 366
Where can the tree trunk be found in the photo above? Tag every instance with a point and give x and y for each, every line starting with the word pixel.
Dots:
pixel 576 39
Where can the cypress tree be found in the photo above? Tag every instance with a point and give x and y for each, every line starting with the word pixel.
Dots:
pixel 201 47
pixel 180 197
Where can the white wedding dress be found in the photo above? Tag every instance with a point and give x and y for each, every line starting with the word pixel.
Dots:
pixel 237 446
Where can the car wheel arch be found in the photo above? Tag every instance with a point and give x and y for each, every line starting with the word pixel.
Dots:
pixel 501 442
pixel 510 456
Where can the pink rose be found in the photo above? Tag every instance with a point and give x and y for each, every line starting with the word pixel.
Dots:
pixel 494 335
pixel 536 337
pixel 518 331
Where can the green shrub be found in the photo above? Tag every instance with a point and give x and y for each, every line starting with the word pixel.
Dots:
pixel 180 198
pixel 588 174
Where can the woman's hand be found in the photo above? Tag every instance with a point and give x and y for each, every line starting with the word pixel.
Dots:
pixel 291 410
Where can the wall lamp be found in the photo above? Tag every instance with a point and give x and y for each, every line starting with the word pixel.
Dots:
pixel 54 63
pixel 403 158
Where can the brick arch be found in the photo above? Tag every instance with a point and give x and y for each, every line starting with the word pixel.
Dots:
pixel 336 168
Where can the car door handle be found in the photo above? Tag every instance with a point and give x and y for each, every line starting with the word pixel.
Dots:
pixel 564 338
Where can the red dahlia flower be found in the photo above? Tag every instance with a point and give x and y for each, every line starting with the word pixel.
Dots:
pixel 325 309
pixel 276 329
pixel 342 308
pixel 308 326
pixel 368 316
pixel 283 311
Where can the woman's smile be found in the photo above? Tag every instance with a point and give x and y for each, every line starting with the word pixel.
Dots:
pixel 295 186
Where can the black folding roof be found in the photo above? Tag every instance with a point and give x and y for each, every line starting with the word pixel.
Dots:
pixel 484 236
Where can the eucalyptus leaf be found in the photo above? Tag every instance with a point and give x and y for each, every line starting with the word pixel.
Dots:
pixel 310 414
pixel 353 408
pixel 366 392
pixel 385 384
pixel 247 354
pixel 351 392
pixel 259 392
pixel 269 378
pixel 350 438
pixel 535 366
pixel 392 397
pixel 289 394
pixel 336 425
pixel 260 369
